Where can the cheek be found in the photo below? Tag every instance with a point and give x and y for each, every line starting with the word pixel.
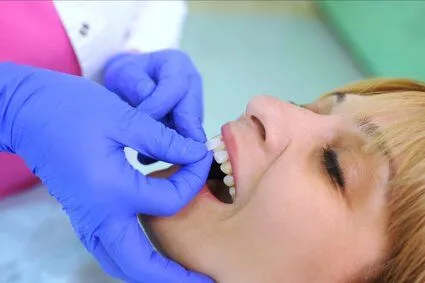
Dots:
pixel 295 204
pixel 294 219
pixel 250 173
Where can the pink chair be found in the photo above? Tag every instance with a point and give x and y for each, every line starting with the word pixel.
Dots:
pixel 31 34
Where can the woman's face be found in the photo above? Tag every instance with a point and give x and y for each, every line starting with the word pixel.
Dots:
pixel 310 204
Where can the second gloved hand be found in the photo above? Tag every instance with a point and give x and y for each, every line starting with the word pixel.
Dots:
pixel 164 84
pixel 71 133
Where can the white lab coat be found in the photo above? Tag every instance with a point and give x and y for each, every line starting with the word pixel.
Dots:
pixel 100 29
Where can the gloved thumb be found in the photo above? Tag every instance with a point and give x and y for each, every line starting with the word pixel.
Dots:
pixel 151 138
pixel 126 79
pixel 126 243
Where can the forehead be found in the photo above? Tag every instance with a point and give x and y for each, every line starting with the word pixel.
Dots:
pixel 360 113
pixel 348 109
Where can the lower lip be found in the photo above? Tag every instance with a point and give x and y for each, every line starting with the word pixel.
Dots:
pixel 230 142
pixel 204 192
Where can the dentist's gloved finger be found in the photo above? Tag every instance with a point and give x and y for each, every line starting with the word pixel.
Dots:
pixel 164 197
pixel 171 88
pixel 188 113
pixel 107 263
pixel 190 126
pixel 157 196
pixel 137 259
pixel 169 123
pixel 126 80
pixel 151 138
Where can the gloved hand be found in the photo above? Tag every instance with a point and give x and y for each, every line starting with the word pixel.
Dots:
pixel 71 133
pixel 165 85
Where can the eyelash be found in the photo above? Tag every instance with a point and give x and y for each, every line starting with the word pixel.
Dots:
pixel 296 104
pixel 330 161
pixel 332 167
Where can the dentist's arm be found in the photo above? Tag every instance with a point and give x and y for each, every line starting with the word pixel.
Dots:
pixel 71 133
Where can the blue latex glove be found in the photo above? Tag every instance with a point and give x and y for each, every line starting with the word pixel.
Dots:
pixel 71 132
pixel 165 85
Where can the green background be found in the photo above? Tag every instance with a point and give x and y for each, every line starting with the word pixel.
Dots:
pixel 386 38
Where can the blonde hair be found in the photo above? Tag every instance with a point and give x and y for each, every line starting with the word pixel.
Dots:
pixel 401 103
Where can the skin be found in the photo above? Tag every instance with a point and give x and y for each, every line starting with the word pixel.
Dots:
pixel 291 222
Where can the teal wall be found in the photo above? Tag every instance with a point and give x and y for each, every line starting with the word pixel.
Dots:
pixel 386 38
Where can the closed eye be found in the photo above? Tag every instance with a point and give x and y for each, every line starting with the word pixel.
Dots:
pixel 332 167
pixel 296 104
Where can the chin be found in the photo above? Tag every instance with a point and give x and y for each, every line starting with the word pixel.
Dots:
pixel 188 237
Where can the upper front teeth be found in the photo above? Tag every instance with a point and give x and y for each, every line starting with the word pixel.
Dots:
pixel 221 157
pixel 226 167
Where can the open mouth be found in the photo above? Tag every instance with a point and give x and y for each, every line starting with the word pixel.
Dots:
pixel 216 186
pixel 220 181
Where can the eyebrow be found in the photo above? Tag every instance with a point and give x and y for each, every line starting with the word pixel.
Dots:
pixel 365 125
pixel 369 128
pixel 372 130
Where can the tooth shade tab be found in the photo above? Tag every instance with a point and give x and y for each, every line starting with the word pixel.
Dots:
pixel 213 143
pixel 221 156
pixel 221 146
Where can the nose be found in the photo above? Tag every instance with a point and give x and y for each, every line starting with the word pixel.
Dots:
pixel 283 121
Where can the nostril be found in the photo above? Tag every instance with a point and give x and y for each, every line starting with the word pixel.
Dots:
pixel 260 127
